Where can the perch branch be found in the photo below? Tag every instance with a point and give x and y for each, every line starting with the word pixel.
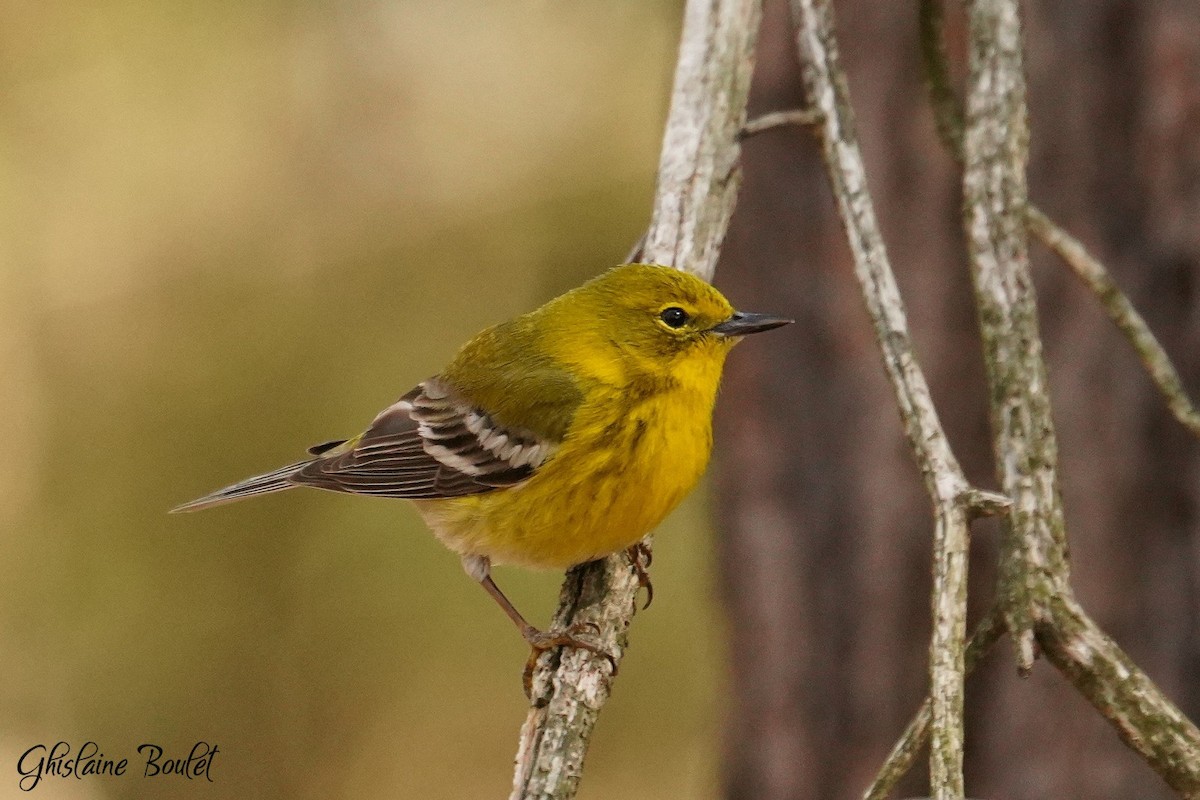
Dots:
pixel 697 188
pixel 954 500
pixel 698 178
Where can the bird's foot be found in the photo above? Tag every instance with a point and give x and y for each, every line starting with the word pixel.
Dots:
pixel 541 641
pixel 640 557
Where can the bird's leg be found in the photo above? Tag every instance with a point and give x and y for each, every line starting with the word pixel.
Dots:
pixel 479 568
pixel 640 556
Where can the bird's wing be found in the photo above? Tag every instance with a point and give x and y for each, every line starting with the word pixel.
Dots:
pixel 429 444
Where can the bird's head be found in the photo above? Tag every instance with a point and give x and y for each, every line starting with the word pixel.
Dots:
pixel 655 315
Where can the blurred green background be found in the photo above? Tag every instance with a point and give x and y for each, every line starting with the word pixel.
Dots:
pixel 229 231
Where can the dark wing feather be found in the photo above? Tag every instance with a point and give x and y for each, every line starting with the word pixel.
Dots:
pixel 429 444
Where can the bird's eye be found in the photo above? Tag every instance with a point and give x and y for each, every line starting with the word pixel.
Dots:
pixel 674 317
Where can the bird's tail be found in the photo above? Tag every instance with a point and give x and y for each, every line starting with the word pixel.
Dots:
pixel 274 481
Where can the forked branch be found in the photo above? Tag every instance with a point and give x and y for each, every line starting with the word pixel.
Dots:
pixel 954 500
pixel 1035 599
pixel 1091 271
pixel 1034 585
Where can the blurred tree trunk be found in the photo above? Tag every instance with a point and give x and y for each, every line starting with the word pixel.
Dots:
pixel 825 554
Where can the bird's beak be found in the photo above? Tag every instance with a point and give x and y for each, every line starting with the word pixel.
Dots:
pixel 744 322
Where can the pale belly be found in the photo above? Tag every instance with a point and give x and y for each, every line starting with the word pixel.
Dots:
pixel 588 501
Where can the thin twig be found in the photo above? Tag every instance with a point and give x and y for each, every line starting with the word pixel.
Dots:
pixel 634 256
pixel 947 110
pixel 802 117
pixel 1121 311
pixel 909 745
pixel 984 503
pixel 697 188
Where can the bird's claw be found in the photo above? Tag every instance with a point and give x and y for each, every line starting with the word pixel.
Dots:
pixel 541 641
pixel 640 558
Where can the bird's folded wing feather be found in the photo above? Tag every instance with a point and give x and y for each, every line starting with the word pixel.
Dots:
pixel 429 444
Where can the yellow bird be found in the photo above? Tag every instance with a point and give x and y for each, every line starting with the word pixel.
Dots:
pixel 558 437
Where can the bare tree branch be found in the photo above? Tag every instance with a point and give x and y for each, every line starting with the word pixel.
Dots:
pixel 1035 595
pixel 1035 573
pixel 1144 719
pixel 948 119
pixel 954 500
pixel 698 174
pixel 698 180
pixel 571 686
pixel 995 151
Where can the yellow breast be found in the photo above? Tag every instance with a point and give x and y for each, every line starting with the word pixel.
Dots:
pixel 621 469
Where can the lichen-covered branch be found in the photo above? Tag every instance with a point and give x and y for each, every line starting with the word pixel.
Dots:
pixel 1035 600
pixel 698 179
pixel 1128 699
pixel 829 96
pixel 954 500
pixel 1034 586
pixel 570 686
pixel 947 114
pixel 1033 563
